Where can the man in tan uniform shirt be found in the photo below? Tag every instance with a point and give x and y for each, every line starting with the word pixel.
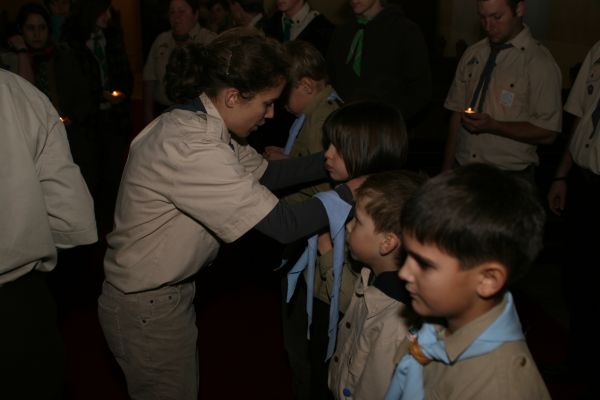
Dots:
pixel 519 108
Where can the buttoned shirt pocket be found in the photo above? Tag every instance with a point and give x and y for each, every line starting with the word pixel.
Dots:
pixel 512 93
pixel 592 85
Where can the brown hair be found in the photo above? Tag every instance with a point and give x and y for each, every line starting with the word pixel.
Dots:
pixel 241 58
pixel 370 136
pixel 383 196
pixel 305 61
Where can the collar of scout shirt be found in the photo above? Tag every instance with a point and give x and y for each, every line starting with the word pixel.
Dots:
pixel 483 335
pixel 523 39
pixel 385 289
pixel 216 125
pixel 300 19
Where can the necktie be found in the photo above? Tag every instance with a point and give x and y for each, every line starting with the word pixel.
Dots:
pixel 337 212
pixel 287 28
pixel 595 118
pixel 355 53
pixel 486 75
pixel 407 381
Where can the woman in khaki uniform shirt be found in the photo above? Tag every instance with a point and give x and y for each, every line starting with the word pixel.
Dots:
pixel 188 185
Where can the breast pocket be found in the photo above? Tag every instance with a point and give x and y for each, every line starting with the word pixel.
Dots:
pixel 512 92
pixel 592 83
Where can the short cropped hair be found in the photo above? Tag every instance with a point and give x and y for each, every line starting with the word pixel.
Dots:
pixel 477 214
pixel 383 196
pixel 512 4
pixel 305 61
pixel 241 58
pixel 32 8
pixel 371 136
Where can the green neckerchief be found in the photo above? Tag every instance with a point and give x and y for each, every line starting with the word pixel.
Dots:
pixel 355 53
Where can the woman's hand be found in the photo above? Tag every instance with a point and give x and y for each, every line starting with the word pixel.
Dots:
pixel 274 153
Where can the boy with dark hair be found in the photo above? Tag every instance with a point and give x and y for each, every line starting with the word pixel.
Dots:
pixel 376 321
pixel 468 234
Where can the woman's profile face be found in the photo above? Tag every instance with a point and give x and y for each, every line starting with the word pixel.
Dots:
pixel 248 114
pixel 181 17
pixel 35 31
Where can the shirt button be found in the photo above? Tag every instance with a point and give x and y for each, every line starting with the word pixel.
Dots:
pixel 336 359
pixel 523 362
pixel 348 324
pixel 587 146
pixel 474 155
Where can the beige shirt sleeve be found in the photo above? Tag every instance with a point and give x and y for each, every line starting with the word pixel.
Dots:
pixel 45 201
pixel 216 186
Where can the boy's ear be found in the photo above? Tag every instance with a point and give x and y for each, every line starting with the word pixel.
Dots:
pixel 231 97
pixel 307 85
pixel 389 243
pixel 492 278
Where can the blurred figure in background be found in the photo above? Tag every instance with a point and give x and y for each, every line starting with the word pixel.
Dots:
pixel 183 18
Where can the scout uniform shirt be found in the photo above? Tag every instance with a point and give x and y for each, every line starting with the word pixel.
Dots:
pixel 186 185
pixel 508 372
pixel 369 335
pixel 582 101
pixel 45 202
pixel 525 86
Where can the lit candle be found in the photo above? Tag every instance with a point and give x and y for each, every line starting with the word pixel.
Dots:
pixel 469 111
pixel 116 93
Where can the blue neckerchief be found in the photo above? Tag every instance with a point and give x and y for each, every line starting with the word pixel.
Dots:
pixel 299 123
pixel 294 130
pixel 407 382
pixel 193 105
pixel 337 212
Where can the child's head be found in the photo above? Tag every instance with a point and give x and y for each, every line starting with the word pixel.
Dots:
pixel 374 232
pixel 363 138
pixel 468 234
pixel 307 75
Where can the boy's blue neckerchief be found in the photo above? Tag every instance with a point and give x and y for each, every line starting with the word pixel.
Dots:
pixel 407 381
pixel 337 211
pixel 299 123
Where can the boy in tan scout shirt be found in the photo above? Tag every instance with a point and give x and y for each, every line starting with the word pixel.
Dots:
pixel 376 322
pixel 468 234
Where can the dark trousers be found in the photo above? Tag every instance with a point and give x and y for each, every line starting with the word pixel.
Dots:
pixel 580 264
pixel 31 348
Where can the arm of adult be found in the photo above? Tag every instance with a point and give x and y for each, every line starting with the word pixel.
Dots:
pixel 450 149
pixel 68 202
pixel 24 67
pixel 557 194
pixel 521 131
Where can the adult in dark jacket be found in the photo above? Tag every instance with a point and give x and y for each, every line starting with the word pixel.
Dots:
pixel 296 20
pixel 381 55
